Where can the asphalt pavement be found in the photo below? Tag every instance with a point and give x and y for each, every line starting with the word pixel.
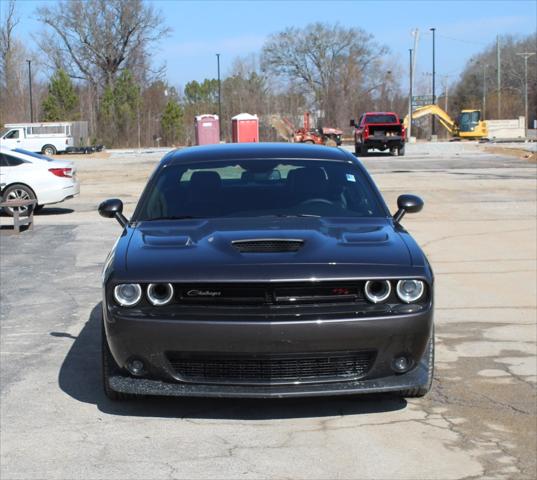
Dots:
pixel 478 228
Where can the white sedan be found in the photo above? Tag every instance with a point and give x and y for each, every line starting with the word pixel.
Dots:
pixel 25 175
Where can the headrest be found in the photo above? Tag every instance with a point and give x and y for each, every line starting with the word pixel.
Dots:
pixel 205 181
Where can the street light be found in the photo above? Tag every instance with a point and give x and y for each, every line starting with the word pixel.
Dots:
pixel 526 55
pixel 433 129
pixel 219 95
pixel 30 86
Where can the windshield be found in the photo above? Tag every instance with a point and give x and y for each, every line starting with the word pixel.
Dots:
pixel 380 119
pixel 4 131
pixel 468 121
pixel 254 188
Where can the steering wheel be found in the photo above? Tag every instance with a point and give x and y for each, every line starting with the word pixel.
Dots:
pixel 317 200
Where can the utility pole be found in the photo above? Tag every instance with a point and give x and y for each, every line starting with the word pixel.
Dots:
pixel 411 71
pixel 484 90
pixel 446 90
pixel 219 94
pixel 433 124
pixel 525 56
pixel 499 71
pixel 30 86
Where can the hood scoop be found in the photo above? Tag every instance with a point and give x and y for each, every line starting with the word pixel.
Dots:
pixel 268 245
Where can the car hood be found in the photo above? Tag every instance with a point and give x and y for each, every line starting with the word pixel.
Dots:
pixel 203 250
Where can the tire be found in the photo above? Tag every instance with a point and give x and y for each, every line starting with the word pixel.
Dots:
pixel 49 150
pixel 17 191
pixel 421 391
pixel 38 208
pixel 311 142
pixel 109 367
pixel 401 151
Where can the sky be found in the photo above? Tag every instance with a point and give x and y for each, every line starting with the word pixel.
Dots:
pixel 200 29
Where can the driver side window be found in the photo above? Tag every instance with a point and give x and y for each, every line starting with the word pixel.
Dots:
pixel 14 134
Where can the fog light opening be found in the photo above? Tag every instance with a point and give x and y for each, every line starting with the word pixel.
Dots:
pixel 402 364
pixel 136 367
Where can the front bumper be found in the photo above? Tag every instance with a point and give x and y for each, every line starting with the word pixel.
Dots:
pixel 151 339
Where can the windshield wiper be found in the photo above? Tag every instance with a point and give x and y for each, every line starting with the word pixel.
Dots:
pixel 171 217
pixel 292 215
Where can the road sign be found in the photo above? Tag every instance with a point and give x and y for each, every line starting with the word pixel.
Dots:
pixel 421 100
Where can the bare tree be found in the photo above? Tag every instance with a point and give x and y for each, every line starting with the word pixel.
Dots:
pixel 330 62
pixel 95 40
pixel 13 82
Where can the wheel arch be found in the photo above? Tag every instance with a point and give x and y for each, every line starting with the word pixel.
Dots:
pixel 5 187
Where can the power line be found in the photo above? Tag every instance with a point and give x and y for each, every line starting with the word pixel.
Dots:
pixel 459 39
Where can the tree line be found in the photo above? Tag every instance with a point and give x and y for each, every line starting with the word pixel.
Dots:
pixel 97 56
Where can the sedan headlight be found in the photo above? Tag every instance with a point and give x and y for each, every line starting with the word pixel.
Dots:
pixel 127 294
pixel 410 290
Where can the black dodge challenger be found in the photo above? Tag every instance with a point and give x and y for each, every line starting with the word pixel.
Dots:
pixel 265 270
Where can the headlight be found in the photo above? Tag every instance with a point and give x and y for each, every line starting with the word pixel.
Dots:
pixel 127 294
pixel 377 291
pixel 410 290
pixel 160 293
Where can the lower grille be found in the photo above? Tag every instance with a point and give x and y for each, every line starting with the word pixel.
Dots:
pixel 273 369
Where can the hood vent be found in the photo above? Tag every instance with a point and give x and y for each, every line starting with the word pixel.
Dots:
pixel 268 245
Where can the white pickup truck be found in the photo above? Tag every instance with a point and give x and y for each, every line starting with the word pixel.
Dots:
pixel 47 138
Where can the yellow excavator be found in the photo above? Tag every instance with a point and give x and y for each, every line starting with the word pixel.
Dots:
pixel 467 126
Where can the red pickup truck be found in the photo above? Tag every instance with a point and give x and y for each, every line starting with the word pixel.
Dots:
pixel 379 130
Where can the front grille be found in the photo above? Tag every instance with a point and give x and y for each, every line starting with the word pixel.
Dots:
pixel 268 245
pixel 329 367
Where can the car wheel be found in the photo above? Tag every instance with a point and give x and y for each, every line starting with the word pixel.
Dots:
pixel 48 150
pixel 38 208
pixel 423 390
pixel 17 192
pixel 109 367
pixel 401 151
pixel 311 142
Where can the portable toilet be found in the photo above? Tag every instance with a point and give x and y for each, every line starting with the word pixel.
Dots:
pixel 245 128
pixel 207 129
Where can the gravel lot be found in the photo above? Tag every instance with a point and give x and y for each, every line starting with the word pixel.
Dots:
pixel 478 228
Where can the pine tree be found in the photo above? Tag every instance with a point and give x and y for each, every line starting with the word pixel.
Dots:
pixel 172 122
pixel 61 103
pixel 118 110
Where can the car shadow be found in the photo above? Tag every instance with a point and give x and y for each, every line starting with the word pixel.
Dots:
pixel 53 211
pixel 375 154
pixel 45 211
pixel 80 378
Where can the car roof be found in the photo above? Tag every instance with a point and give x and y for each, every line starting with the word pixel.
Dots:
pixel 244 151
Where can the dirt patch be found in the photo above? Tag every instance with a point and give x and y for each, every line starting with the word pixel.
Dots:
pixel 513 152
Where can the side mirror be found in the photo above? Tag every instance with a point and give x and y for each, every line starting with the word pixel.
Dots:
pixel 352 123
pixel 113 208
pixel 407 204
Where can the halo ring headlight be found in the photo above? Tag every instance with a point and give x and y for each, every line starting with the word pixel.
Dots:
pixel 160 293
pixel 127 294
pixel 410 290
pixel 377 291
